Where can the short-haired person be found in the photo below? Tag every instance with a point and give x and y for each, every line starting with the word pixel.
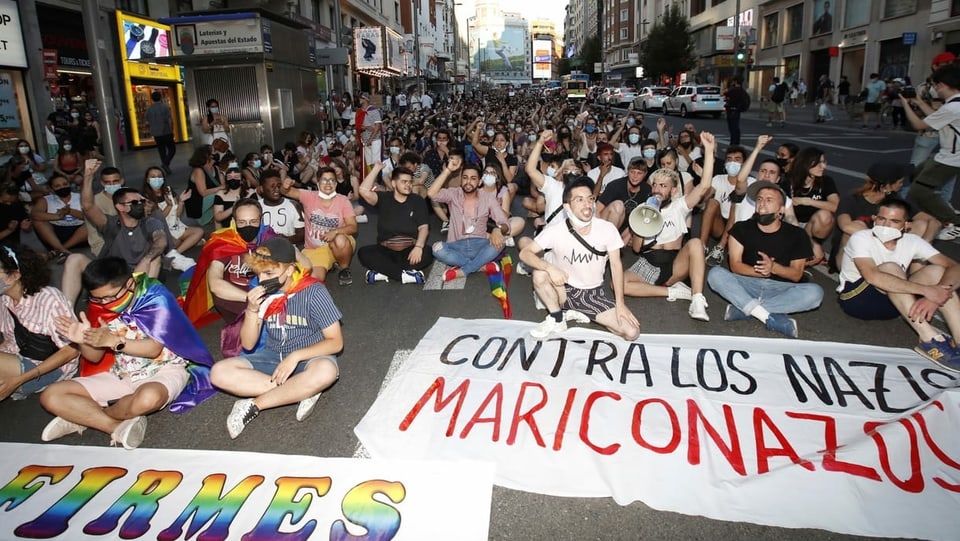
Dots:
pixel 283 215
pixel 717 213
pixel 766 257
pixel 401 252
pixel 32 353
pixel 880 280
pixel 665 259
pixel 150 342
pixel 331 226
pixel 623 195
pixel 298 360
pixel 581 246
pixel 605 172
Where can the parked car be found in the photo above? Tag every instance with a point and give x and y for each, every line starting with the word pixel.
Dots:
pixel 604 97
pixel 622 96
pixel 651 98
pixel 695 100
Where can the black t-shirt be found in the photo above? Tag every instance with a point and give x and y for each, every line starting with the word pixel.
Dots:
pixel 396 218
pixel 510 159
pixel 522 180
pixel 8 213
pixel 858 208
pixel 826 188
pixel 617 191
pixel 786 244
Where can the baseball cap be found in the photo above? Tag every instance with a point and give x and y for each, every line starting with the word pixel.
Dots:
pixel 755 188
pixel 277 249
pixel 364 96
pixel 884 173
pixel 943 58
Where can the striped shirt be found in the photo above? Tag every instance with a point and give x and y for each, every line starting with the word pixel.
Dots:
pixel 38 313
pixel 307 313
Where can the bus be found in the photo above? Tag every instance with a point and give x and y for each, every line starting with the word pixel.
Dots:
pixel 574 86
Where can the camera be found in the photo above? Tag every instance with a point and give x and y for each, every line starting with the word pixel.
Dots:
pixel 908 92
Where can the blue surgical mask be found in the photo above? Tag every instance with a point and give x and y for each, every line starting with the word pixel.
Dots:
pixel 634 138
pixel 649 153
pixel 112 188
pixel 257 164
pixel 733 168
pixel 552 171
pixel 631 121
pixel 488 179
pixel 394 150
pixel 155 182
pixel 214 110
pixel 590 129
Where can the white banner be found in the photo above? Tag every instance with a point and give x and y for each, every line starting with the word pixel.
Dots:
pixel 726 38
pixel 85 492
pixel 12 52
pixel 791 433
pixel 368 48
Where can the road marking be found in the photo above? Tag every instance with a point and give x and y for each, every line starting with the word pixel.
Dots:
pixel 435 278
pixel 400 357
pixel 858 149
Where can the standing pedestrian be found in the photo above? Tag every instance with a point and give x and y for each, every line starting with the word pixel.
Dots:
pixel 737 102
pixel 160 122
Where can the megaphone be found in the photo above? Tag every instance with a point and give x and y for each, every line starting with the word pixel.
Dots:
pixel 646 220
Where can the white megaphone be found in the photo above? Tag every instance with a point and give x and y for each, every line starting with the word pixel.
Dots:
pixel 646 220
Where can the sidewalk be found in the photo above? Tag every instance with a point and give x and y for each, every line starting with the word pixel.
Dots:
pixel 134 163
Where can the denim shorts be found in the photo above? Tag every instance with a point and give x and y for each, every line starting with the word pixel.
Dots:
pixel 266 361
pixel 37 384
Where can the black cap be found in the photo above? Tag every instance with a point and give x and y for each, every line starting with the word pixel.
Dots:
pixel 755 188
pixel 884 173
pixel 277 249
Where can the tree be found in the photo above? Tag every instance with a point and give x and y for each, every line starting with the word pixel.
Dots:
pixel 588 55
pixel 669 47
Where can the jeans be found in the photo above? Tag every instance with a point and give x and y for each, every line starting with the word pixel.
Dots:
pixel 748 292
pixel 470 254
pixel 733 125
pixel 923 148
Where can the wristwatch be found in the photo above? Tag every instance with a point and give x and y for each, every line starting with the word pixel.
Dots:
pixel 119 347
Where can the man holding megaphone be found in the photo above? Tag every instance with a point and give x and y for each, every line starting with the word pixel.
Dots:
pixel 665 261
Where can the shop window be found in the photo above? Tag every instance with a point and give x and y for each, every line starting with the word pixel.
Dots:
pixel 134 6
pixel 899 8
pixel 771 30
pixel 232 88
pixel 794 23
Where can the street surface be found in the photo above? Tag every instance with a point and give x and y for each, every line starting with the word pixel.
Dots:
pixel 384 319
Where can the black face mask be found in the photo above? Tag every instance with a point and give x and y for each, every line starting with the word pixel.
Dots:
pixel 782 162
pixel 271 286
pixel 137 211
pixel 233 184
pixel 766 219
pixel 62 192
pixel 248 232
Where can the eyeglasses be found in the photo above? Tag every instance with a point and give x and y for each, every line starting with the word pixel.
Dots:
pixel 581 200
pixel 110 298
pixel 327 180
pixel 133 203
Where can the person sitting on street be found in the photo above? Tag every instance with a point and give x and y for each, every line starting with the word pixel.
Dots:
pixel 303 338
pixel 815 198
pixel 605 172
pixel 716 214
pixel 881 279
pixel 468 247
pixel 33 354
pixel 665 259
pixel 284 215
pixel 401 252
pixel 767 258
pixel 150 343
pixel 58 219
pixel 572 279
pixel 331 226
pixel 623 195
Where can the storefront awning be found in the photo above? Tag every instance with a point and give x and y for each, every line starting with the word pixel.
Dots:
pixel 381 73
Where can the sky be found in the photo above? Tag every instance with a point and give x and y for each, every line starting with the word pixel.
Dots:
pixel 553 10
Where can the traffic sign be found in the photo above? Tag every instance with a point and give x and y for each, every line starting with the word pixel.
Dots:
pixel 909 38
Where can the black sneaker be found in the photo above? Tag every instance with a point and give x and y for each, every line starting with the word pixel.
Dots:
pixel 345 277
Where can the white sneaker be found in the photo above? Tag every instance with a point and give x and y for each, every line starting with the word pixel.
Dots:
pixel 575 316
pixel 949 232
pixel 182 263
pixel 305 408
pixel 547 327
pixel 60 427
pixel 240 416
pixel 698 307
pixel 130 433
pixel 509 242
pixel 678 291
pixel 362 219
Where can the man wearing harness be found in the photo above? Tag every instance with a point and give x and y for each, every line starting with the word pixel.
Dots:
pixel 936 171
pixel 581 246
pixel 665 260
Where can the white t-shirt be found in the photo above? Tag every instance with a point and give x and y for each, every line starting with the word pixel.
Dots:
pixel 941 120
pixel 683 164
pixel 628 153
pixel 674 221
pixel 553 198
pixel 284 218
pixel 864 244
pixel 426 101
pixel 723 189
pixel 585 270
pixel 615 174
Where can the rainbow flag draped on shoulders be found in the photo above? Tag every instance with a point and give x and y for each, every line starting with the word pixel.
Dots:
pixel 223 243
pixel 154 310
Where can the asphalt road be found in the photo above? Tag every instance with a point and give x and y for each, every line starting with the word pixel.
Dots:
pixel 381 319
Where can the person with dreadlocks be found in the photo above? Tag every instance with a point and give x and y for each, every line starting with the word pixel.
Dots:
pixel 303 338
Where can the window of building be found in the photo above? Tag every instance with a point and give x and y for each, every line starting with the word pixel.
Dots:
pixel 623 34
pixel 697 6
pixel 133 6
pixel 794 23
pixel 899 8
pixel 771 30
pixel 624 15
pixel 856 14
pixel 822 17
pixel 955 8
pixel 315 10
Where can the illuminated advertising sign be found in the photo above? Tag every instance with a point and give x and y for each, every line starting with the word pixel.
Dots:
pixel 542 59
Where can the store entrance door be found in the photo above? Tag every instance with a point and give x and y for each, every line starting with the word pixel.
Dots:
pixel 142 102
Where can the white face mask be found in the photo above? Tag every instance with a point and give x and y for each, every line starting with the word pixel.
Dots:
pixel 649 153
pixel 488 179
pixel 552 171
pixel 394 150
pixel 634 138
pixel 886 234
pixel 733 168
pixel 490 133
pixel 326 196
pixel 577 222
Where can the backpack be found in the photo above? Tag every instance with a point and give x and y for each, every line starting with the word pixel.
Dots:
pixel 744 104
pixel 779 93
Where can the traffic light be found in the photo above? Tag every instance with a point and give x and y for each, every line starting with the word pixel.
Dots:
pixel 741 56
pixel 750 58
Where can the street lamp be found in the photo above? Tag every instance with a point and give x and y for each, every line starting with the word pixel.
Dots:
pixel 416 41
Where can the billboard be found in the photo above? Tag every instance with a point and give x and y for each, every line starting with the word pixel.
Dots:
pixel 501 50
pixel 368 47
pixel 394 47
pixel 220 34
pixel 12 53
pixel 542 59
pixel 143 39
